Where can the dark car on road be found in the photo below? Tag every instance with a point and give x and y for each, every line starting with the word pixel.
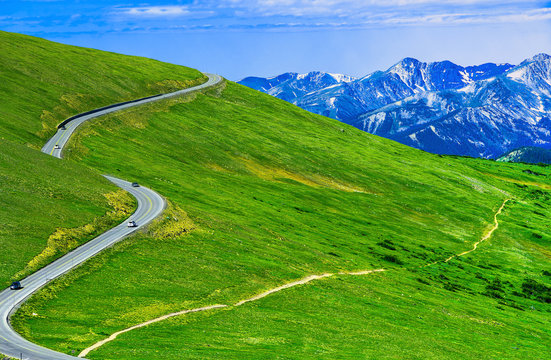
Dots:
pixel 135 184
pixel 16 285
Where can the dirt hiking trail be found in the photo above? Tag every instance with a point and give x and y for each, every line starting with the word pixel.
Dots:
pixel 302 281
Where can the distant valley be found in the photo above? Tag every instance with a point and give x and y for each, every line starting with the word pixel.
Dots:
pixel 440 107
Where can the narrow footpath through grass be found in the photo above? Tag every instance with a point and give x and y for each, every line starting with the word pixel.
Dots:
pixel 302 281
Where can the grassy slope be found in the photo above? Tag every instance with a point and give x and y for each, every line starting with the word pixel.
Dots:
pixel 41 83
pixel 39 194
pixel 45 82
pixel 471 308
pixel 265 184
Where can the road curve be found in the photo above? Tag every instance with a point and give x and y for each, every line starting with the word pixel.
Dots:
pixel 150 205
pixel 62 135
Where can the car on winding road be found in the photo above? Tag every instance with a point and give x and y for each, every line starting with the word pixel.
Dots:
pixel 16 285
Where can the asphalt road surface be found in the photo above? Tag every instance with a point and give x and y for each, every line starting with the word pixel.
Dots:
pixel 150 205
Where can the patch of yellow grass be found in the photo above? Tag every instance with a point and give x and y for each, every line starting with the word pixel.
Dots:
pixel 175 222
pixel 331 183
pixel 49 123
pixel 74 101
pixel 316 181
pixel 489 322
pixel 216 167
pixel 542 250
pixel 521 182
pixel 64 240
pixel 142 313
pixel 272 174
pixel 68 105
pixel 121 202
pixel 169 85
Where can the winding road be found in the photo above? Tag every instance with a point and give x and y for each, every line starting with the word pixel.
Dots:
pixel 63 135
pixel 150 205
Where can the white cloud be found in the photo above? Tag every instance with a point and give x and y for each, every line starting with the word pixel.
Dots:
pixel 468 18
pixel 298 14
pixel 312 8
pixel 154 11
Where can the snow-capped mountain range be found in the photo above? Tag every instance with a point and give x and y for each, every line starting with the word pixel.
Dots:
pixel 291 86
pixel 441 107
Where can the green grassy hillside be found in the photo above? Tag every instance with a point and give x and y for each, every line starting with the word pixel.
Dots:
pixel 43 82
pixel 48 206
pixel 43 204
pixel 263 193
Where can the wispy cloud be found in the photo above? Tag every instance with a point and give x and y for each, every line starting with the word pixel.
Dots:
pixel 313 8
pixel 459 18
pixel 154 11
pixel 347 13
pixel 510 17
pixel 315 14
pixel 237 15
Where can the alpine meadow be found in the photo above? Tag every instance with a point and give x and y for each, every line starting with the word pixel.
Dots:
pixel 287 234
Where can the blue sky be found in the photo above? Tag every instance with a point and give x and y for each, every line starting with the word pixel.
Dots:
pixel 266 37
